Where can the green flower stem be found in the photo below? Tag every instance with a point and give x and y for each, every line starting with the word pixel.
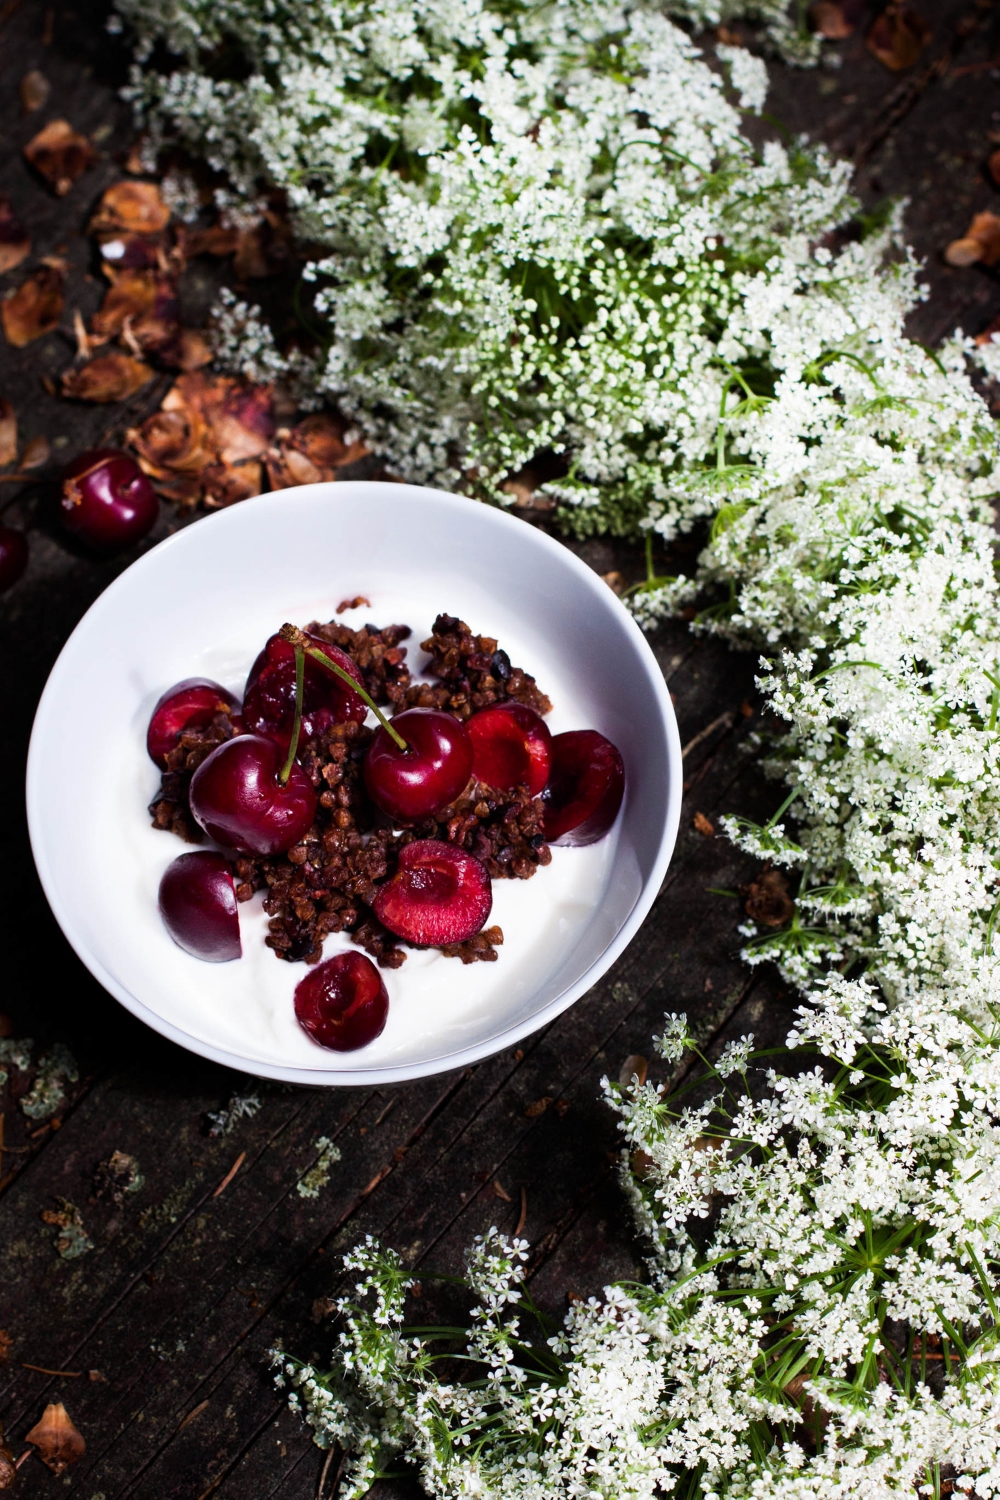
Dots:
pixel 352 682
pixel 300 679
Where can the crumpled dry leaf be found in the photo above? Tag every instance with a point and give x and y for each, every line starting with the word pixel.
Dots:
pixel 35 90
pixel 35 308
pixel 130 208
pixel 57 1440
pixel 60 154
pixel 767 899
pixel 36 453
pixel 171 441
pixel 8 1468
pixel 980 242
pixel 8 433
pixel 225 484
pixel 108 377
pixel 130 295
pixel 190 350
pixel 14 243
pixel 312 451
pixel 829 20
pixel 205 440
pixel 898 36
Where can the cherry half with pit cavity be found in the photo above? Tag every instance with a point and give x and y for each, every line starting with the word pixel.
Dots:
pixel 239 799
pixel 191 704
pixel 433 766
pixel 585 788
pixel 342 1003
pixel 269 697
pixel 107 501
pixel 199 909
pixel 439 894
pixel 511 747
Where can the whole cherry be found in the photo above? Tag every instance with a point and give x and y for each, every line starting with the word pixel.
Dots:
pixel 511 747
pixel 198 906
pixel 238 797
pixel 269 696
pixel 415 780
pixel 439 894
pixel 342 1003
pixel 585 788
pixel 190 704
pixel 13 556
pixel 107 501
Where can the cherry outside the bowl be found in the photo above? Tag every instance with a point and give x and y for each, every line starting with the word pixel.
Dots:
pixel 107 501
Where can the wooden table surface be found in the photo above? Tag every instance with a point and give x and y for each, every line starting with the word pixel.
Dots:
pixel 166 1320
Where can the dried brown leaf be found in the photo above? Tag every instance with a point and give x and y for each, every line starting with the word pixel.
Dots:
pixel 539 1107
pixel 634 1066
pixel 60 155
pixel 130 208
pixel 35 90
pixel 242 422
pixel 171 442
pixel 36 453
pixel 14 243
pixel 981 242
pixel 225 484
pixel 130 294
pixel 704 825
pixel 35 308
pixel 767 900
pixel 828 20
pixel 57 1440
pixel 108 377
pixel 898 36
pixel 501 1192
pixel 8 433
pixel 188 350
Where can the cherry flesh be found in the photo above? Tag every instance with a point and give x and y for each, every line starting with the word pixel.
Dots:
pixel 511 747
pixel 585 788
pixel 416 783
pixel 13 556
pixel 342 1003
pixel 269 697
pixel 190 704
pixel 439 894
pixel 199 909
pixel 107 500
pixel 239 799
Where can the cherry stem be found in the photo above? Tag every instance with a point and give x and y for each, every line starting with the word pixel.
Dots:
pixel 352 682
pixel 300 681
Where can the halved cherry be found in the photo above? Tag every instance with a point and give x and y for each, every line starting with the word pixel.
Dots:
pixel 342 1003
pixel 269 698
pixel 249 797
pixel 439 894
pixel 511 747
pixel 190 704
pixel 585 788
pixel 198 906
pixel 431 769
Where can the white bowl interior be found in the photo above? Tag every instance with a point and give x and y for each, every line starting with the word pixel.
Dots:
pixel 201 604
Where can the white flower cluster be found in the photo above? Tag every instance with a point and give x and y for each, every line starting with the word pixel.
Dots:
pixel 544 231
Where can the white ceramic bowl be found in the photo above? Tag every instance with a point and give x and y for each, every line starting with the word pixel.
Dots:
pixel 201 604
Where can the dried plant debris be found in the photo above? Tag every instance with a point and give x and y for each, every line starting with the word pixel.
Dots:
pixel 979 244
pixel 767 900
pixel 129 207
pixel 14 242
pixel 57 1440
pixel 239 1107
pixel 37 452
pixel 116 1178
pixel 72 1241
pixel 17 1052
pixel 898 36
pixel 56 1068
pixel 35 90
pixel 107 377
pixel 8 433
pixel 5 1346
pixel 60 154
pixel 35 308
pixel 8 1468
pixel 829 20
pixel 206 441
pixel 310 1184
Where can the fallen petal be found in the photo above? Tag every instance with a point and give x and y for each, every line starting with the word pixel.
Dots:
pixel 8 433
pixel 35 308
pixel 14 243
pixel 130 208
pixel 36 453
pixel 60 154
pixel 109 377
pixel 57 1440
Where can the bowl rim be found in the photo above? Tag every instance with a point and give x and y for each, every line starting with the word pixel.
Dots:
pixel 351 1077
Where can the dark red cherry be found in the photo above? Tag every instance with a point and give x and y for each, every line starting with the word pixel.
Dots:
pixel 342 1003
pixel 13 556
pixel 107 500
pixel 238 797
pixel 269 696
pixel 511 747
pixel 198 907
pixel 585 788
pixel 417 782
pixel 190 704
pixel 439 894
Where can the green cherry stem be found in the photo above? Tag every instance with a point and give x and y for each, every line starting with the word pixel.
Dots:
pixel 298 637
pixel 300 683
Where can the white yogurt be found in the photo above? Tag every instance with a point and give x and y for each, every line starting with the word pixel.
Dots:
pixel 554 925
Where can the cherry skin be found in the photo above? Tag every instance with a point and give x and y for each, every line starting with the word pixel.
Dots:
pixel 342 1003
pixel 511 747
pixel 439 894
pixel 107 500
pixel 199 909
pixel 585 788
pixel 269 696
pixel 238 797
pixel 190 704
pixel 13 556
pixel 416 783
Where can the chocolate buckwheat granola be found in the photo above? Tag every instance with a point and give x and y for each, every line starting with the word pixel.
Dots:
pixel 327 882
